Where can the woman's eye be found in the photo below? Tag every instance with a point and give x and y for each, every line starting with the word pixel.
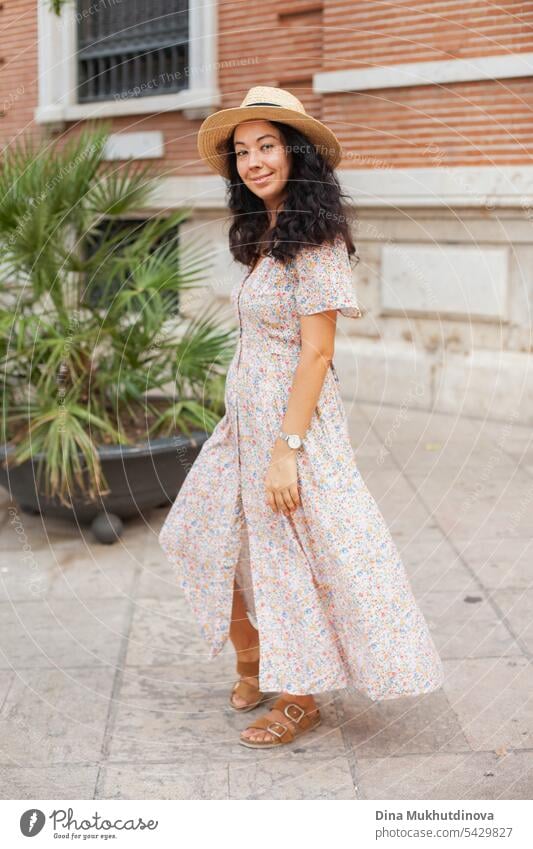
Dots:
pixel 266 144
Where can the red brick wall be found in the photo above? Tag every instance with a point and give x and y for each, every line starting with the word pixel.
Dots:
pixel 285 43
pixel 370 32
pixel 18 68
pixel 474 123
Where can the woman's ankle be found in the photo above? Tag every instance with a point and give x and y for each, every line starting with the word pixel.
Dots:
pixel 304 700
pixel 249 653
pixel 246 643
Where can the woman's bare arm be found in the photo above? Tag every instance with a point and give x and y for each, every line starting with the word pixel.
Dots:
pixel 318 344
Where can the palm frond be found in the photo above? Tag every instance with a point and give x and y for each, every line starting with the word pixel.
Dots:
pixel 190 414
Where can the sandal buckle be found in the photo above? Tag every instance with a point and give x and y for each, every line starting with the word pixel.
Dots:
pixel 277 733
pixel 298 707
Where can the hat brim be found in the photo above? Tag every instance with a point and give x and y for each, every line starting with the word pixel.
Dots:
pixel 218 127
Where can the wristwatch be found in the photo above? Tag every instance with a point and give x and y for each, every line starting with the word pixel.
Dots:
pixel 293 440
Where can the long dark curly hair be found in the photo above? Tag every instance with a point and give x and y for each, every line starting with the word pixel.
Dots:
pixel 313 211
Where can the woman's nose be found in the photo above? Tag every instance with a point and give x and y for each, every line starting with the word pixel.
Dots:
pixel 254 158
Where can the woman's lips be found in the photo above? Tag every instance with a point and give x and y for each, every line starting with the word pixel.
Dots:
pixel 260 180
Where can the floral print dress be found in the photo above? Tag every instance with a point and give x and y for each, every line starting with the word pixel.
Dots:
pixel 325 585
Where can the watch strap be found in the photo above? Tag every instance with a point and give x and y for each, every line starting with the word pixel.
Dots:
pixel 286 437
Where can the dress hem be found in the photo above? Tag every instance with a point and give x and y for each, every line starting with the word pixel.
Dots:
pixel 348 686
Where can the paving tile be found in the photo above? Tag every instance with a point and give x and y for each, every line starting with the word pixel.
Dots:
pixel 403 514
pixel 157 577
pixel 517 606
pixel 371 456
pixel 26 575
pixel 505 432
pixel 463 489
pixel 513 439
pixel 486 517
pixel 409 422
pixel 43 533
pixel 466 625
pixel 493 700
pixel 391 484
pixel 63 633
pixel 404 534
pixel 96 571
pixel 63 782
pixel 371 461
pixel 177 780
pixel 163 633
pixel 154 520
pixel 521 451
pixel 19 529
pixel 274 774
pixel 478 775
pixel 430 456
pixel 407 725
pixel 432 563
pixel 7 677
pixel 505 562
pixel 52 717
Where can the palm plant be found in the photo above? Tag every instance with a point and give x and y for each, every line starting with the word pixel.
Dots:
pixel 89 332
pixel 57 6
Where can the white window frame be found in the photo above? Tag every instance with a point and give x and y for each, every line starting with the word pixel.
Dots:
pixel 58 71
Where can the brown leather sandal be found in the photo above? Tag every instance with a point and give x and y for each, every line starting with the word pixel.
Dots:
pixel 284 733
pixel 244 689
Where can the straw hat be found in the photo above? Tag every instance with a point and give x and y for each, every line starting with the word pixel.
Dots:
pixel 271 104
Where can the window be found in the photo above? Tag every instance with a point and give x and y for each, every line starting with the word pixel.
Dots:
pixel 108 58
pixel 131 48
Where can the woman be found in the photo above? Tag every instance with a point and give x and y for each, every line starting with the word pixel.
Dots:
pixel 274 520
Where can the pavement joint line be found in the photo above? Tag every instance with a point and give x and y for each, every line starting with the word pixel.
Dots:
pixel 520 778
pixel 13 674
pixel 117 684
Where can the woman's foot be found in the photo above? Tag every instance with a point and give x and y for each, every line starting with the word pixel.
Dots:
pixel 256 735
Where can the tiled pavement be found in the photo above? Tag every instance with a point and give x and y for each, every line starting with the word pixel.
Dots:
pixel 105 690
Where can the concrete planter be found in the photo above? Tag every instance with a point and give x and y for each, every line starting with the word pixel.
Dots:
pixel 139 477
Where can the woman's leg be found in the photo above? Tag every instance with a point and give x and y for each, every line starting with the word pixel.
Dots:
pixel 245 639
pixel 244 636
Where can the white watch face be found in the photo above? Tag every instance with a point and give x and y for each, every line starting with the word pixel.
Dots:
pixel 294 441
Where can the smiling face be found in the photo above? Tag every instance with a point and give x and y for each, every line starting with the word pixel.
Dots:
pixel 263 163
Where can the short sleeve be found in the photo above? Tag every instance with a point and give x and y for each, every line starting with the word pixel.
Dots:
pixel 324 279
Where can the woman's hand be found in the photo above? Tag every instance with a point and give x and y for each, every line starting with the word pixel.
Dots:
pixel 281 480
